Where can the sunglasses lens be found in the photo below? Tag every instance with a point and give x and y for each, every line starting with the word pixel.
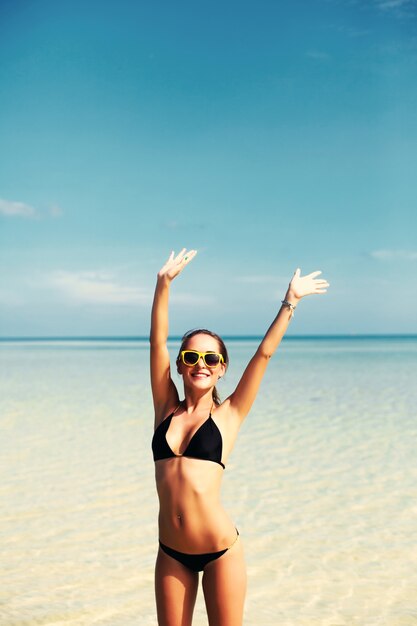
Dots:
pixel 212 359
pixel 190 358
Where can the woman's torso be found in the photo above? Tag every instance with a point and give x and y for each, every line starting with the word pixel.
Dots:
pixel 191 516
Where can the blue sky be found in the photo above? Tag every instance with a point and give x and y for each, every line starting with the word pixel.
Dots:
pixel 268 135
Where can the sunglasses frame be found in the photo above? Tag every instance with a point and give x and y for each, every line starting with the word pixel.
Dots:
pixel 203 356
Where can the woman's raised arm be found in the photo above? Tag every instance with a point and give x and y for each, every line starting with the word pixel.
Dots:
pixel 245 393
pixel 164 392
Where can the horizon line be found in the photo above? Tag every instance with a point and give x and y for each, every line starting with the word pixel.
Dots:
pixel 227 337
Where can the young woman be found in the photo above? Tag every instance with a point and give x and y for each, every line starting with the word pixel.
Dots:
pixel 192 440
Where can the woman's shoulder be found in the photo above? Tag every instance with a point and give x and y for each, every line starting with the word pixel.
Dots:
pixel 225 416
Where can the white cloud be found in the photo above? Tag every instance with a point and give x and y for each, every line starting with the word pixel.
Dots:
pixel 102 287
pixel 318 55
pixel 402 8
pixel 391 4
pixel 170 225
pixel 11 208
pixel 55 211
pixel 97 288
pixel 391 255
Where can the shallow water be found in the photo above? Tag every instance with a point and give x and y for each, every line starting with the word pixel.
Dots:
pixel 321 484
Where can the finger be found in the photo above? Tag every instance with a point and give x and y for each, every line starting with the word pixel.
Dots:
pixel 321 291
pixel 189 256
pixel 180 255
pixel 297 272
pixel 313 274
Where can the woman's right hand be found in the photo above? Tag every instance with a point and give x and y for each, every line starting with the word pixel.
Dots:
pixel 176 264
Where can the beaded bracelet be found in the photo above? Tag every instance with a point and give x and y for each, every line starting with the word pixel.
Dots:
pixel 291 306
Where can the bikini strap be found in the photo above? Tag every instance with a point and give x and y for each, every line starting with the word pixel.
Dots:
pixel 173 412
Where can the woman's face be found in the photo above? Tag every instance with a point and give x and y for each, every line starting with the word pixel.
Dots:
pixel 200 375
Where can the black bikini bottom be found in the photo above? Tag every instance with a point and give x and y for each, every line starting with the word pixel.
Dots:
pixel 195 562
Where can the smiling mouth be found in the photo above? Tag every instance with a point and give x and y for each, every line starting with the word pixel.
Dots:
pixel 200 375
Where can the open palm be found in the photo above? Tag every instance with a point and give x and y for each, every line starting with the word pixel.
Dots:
pixel 307 285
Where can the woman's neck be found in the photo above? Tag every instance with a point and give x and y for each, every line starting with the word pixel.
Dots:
pixel 198 402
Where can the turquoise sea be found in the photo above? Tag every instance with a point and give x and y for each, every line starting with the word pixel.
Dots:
pixel 321 483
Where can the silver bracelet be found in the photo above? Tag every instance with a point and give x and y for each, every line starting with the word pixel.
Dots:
pixel 291 306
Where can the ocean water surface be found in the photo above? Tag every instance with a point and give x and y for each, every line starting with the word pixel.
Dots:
pixel 321 484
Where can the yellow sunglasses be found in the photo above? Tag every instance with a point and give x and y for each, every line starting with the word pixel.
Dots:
pixel 192 357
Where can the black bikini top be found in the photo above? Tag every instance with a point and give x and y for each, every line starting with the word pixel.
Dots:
pixel 206 443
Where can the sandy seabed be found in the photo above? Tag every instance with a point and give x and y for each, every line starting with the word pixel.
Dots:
pixel 321 484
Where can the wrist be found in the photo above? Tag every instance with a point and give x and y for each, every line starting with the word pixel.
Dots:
pixel 163 280
pixel 291 297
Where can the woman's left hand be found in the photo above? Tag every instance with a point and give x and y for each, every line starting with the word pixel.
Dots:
pixel 301 286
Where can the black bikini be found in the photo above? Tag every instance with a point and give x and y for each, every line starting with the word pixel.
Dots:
pixel 206 444
pixel 196 562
